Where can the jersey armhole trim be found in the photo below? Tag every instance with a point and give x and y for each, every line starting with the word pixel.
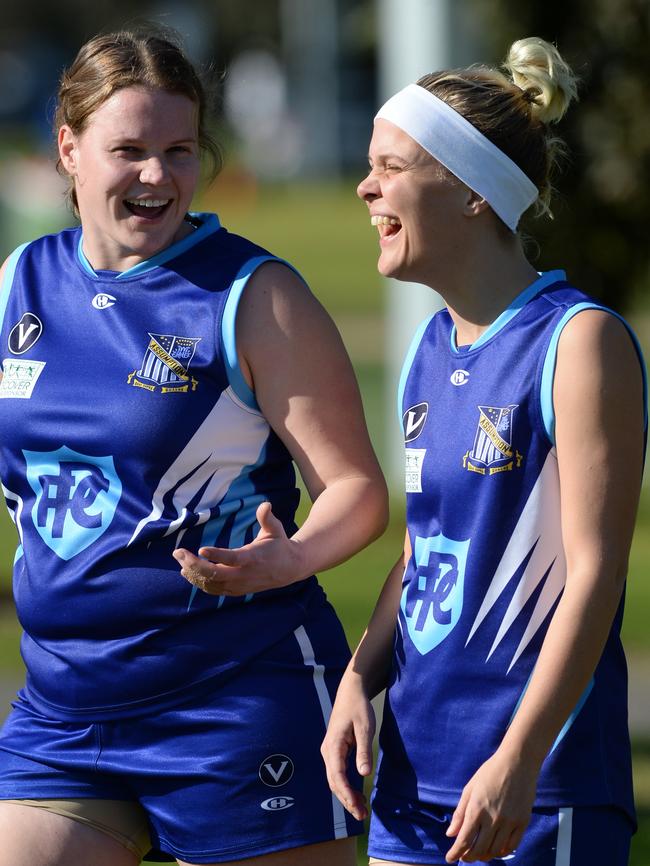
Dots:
pixel 548 370
pixel 8 279
pixel 408 362
pixel 228 336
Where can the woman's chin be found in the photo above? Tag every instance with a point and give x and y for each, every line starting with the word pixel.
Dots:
pixel 386 268
pixel 391 270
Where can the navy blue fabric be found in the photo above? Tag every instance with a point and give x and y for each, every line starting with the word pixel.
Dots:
pixel 487 572
pixel 410 832
pixel 126 443
pixel 234 773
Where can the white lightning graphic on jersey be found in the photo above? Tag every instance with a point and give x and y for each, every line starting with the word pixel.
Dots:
pixel 15 514
pixel 538 530
pixel 195 472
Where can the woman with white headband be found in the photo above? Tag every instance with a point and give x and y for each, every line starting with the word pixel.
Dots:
pixel 504 733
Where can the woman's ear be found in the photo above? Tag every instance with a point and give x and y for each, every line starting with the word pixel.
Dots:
pixel 67 142
pixel 475 203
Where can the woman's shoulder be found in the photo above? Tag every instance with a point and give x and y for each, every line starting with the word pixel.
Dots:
pixel 209 229
pixel 585 320
pixel 49 244
pixel 561 293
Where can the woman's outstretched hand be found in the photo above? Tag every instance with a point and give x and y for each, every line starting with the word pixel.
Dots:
pixel 271 560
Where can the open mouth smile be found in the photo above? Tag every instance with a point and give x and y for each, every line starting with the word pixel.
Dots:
pixel 149 209
pixel 387 226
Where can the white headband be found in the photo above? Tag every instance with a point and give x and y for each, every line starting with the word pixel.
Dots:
pixel 460 147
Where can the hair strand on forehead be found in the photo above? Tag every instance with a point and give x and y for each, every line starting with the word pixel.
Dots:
pixel 149 57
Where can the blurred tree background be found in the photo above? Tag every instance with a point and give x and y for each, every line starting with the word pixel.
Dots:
pixel 602 207
pixel 322 112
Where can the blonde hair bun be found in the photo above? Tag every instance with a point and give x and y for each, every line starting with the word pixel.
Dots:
pixel 548 82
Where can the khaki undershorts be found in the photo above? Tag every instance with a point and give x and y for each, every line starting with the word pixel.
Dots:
pixel 124 821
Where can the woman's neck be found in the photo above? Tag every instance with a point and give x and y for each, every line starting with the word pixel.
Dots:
pixel 484 286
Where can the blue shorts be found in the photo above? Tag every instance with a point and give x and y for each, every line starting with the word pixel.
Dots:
pixel 235 775
pixel 566 836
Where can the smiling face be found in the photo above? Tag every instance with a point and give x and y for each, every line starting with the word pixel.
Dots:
pixel 135 168
pixel 418 208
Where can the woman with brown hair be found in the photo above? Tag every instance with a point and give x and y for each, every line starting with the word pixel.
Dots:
pixel 504 734
pixel 161 377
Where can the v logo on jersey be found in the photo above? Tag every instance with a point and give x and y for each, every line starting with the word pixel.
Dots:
pixel 413 421
pixel 76 498
pixel 25 333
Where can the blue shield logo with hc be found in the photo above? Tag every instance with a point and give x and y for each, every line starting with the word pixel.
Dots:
pixel 433 601
pixel 76 498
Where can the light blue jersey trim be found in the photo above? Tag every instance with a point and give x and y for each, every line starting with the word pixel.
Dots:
pixel 545 279
pixel 210 225
pixel 574 715
pixel 582 700
pixel 521 697
pixel 19 553
pixel 8 280
pixel 228 335
pixel 406 366
pixel 548 371
pixel 85 264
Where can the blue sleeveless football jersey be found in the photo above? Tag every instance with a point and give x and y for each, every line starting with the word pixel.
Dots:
pixel 127 430
pixel 488 567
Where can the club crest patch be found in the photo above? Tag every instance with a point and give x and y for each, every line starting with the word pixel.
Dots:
pixel 76 497
pixel 432 601
pixel 492 451
pixel 166 363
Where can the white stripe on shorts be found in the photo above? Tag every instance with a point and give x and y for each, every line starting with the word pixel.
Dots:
pixel 338 812
pixel 564 826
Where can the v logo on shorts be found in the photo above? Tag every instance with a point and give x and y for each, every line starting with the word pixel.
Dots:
pixel 276 770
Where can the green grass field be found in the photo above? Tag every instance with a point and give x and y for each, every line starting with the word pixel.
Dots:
pixel 325 232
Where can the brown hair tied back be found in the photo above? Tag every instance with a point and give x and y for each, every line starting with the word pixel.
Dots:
pixel 515 111
pixel 151 58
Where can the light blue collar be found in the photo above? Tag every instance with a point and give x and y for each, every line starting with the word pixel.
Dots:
pixel 544 280
pixel 209 224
